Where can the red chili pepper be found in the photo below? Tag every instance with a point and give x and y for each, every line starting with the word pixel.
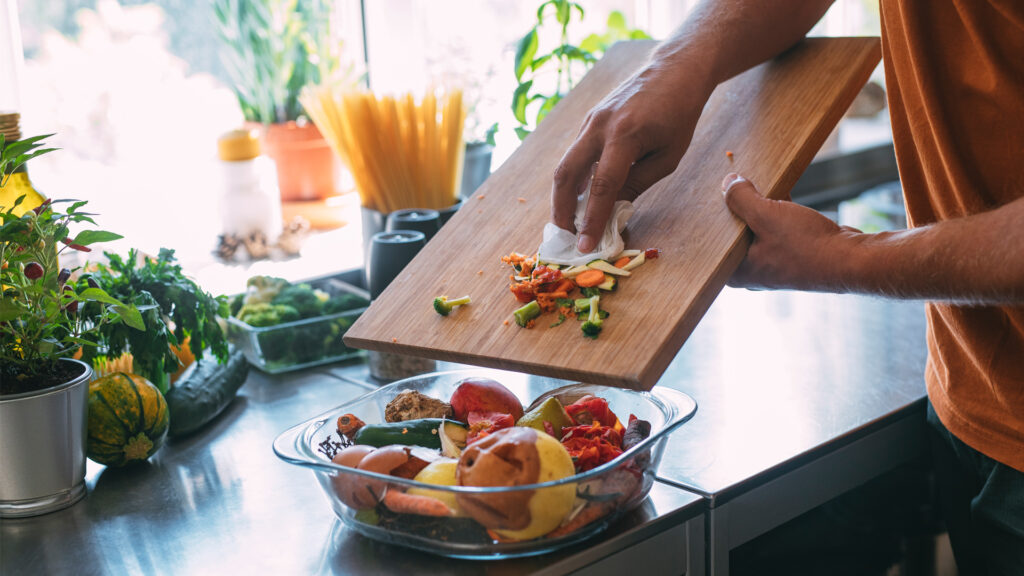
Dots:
pixel 651 253
pixel 33 270
pixel 41 207
pixel 483 423
pixel 74 246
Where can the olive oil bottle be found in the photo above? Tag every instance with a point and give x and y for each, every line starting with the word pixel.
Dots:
pixel 17 183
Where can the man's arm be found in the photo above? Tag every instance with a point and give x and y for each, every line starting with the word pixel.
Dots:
pixel 639 132
pixel 976 259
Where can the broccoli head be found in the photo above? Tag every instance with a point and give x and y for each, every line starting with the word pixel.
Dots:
pixel 592 326
pixel 306 301
pixel 260 289
pixel 344 302
pixel 444 306
pixel 264 314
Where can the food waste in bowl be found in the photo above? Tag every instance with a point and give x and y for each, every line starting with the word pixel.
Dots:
pixel 391 482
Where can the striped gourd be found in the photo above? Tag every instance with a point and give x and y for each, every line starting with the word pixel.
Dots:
pixel 128 419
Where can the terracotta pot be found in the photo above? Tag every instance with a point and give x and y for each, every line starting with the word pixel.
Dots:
pixel 307 168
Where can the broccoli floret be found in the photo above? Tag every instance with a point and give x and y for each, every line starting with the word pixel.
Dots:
pixel 527 313
pixel 345 302
pixel 302 298
pixel 592 327
pixel 333 344
pixel 443 306
pixel 264 314
pixel 591 291
pixel 308 341
pixel 261 289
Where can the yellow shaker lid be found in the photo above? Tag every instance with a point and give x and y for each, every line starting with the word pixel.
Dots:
pixel 238 145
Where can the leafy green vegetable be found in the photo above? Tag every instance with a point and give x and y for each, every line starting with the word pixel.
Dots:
pixel 179 309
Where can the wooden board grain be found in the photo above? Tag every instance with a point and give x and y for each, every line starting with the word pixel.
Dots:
pixel 773 118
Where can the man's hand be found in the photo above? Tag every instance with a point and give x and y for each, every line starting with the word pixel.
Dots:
pixel 639 132
pixel 636 135
pixel 792 247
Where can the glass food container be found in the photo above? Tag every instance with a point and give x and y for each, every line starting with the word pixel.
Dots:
pixel 302 343
pixel 584 504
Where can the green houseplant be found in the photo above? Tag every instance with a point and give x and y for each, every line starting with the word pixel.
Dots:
pixel 272 49
pixel 43 325
pixel 536 91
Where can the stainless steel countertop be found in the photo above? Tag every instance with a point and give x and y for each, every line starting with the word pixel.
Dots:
pixel 221 502
pixel 778 376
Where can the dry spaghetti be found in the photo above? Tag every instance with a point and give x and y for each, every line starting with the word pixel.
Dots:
pixel 402 153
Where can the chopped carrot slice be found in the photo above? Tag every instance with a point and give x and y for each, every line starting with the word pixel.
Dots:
pixel 565 285
pixel 622 262
pixel 589 278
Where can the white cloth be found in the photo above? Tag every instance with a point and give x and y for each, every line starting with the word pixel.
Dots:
pixel 559 246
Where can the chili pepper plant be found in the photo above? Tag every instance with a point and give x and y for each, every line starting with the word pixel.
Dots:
pixel 42 319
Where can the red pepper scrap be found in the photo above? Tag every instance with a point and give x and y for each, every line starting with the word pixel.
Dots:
pixel 591 445
pixel 591 409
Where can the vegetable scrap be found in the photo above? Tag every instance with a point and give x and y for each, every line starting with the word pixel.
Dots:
pixel 728 153
pixel 444 306
pixel 549 288
pixel 480 437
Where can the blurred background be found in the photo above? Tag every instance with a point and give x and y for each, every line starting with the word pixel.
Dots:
pixel 138 93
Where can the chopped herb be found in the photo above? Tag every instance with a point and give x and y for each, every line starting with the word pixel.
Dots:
pixel 561 318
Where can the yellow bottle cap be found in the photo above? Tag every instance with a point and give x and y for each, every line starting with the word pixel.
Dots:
pixel 238 145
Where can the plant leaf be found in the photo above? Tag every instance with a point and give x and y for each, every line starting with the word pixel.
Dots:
pixel 617 22
pixel 522 132
pixel 563 11
pixel 86 237
pixel 525 51
pixel 9 309
pixel 547 106
pixel 519 101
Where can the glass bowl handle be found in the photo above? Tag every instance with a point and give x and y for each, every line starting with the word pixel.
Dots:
pixel 683 406
pixel 286 445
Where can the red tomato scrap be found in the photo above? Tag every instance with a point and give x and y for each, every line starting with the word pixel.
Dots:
pixel 483 423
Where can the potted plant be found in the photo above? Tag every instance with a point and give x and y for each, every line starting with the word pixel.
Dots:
pixel 565 61
pixel 43 389
pixel 273 49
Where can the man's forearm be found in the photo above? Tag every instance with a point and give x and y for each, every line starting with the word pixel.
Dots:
pixel 723 38
pixel 977 259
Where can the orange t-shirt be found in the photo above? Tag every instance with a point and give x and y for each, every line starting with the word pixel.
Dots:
pixel 955 76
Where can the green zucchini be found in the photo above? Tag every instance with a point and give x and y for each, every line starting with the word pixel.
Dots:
pixel 204 390
pixel 420 432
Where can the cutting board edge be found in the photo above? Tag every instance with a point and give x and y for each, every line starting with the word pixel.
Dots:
pixel 631 381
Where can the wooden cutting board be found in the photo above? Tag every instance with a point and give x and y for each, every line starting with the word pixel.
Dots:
pixel 774 118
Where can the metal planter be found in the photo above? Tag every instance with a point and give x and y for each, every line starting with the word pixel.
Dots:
pixel 42 448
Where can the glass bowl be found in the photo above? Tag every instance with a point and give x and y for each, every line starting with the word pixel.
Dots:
pixel 598 497
pixel 302 343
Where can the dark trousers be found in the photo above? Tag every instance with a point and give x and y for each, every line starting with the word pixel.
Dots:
pixel 982 502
